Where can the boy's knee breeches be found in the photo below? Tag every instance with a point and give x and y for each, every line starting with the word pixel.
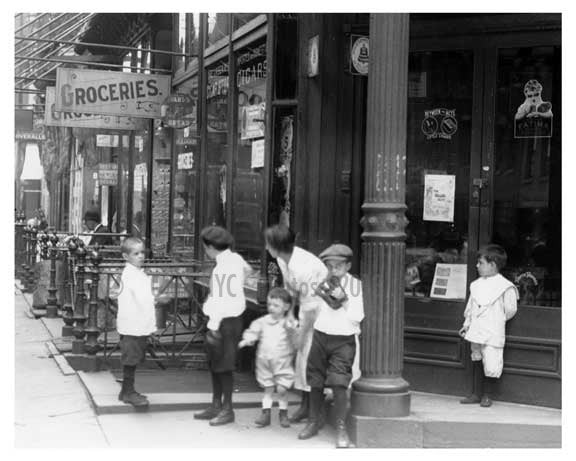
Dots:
pixel 492 358
pixel 330 360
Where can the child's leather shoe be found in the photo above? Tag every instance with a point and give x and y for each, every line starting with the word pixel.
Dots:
pixel 264 418
pixel 283 417
pixel 136 399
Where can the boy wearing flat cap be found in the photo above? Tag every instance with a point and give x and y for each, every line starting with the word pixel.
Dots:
pixel 334 341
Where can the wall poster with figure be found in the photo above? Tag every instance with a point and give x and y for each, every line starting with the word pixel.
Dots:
pixel 439 197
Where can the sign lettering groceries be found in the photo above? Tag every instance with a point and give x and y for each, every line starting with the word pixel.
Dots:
pixel 110 93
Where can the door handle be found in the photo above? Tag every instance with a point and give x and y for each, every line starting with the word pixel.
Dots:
pixel 480 182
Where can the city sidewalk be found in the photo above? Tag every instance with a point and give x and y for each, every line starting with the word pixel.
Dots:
pixel 435 421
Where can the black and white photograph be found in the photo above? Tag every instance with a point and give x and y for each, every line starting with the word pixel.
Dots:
pixel 316 229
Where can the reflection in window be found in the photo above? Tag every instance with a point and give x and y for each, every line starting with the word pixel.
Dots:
pixel 248 180
pixel 188 30
pixel 240 19
pixel 440 89
pixel 218 27
pixel 527 177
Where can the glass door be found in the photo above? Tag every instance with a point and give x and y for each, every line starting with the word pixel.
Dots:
pixel 443 157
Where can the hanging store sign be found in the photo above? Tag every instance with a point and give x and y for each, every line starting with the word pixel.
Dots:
pixel 359 54
pixel 534 116
pixel 439 123
pixel 186 161
pixel 108 174
pixel 179 110
pixel 111 93
pixel 30 136
pixel 79 120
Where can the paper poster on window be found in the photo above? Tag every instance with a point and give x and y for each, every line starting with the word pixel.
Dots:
pixel 252 121
pixel 258 154
pixel 449 281
pixel 439 190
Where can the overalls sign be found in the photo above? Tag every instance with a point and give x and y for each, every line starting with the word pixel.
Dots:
pixel 111 93
pixel 439 123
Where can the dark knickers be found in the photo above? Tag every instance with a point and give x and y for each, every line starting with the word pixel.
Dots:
pixel 133 349
pixel 330 360
pixel 222 352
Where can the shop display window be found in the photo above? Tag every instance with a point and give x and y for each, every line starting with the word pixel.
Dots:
pixel 438 165
pixel 187 152
pixel 140 184
pixel 188 27
pixel 214 207
pixel 528 172
pixel 248 179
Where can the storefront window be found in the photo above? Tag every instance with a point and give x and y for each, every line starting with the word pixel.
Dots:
pixel 216 144
pixel 437 171
pixel 218 27
pixel 187 151
pixel 527 176
pixel 140 186
pixel 248 179
pixel 161 158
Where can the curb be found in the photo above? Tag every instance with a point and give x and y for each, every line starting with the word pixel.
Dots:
pixel 102 389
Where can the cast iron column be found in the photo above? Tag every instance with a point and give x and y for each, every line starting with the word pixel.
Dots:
pixel 382 392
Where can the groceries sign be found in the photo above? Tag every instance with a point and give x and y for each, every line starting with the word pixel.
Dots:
pixel 110 93
pixel 80 120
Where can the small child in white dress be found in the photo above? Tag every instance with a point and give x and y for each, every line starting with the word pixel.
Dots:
pixel 275 354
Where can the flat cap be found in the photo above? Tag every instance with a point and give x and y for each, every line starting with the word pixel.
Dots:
pixel 337 251
pixel 92 215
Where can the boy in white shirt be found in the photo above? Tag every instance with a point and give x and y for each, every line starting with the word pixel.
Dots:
pixel 224 306
pixel 333 351
pixel 136 318
pixel 492 301
pixel 275 354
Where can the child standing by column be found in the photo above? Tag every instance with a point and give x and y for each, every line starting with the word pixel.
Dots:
pixel 224 306
pixel 275 354
pixel 136 318
pixel 331 359
pixel 492 301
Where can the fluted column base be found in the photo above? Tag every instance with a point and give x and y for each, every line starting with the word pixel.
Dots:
pixel 380 397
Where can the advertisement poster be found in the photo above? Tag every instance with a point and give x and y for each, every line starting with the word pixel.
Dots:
pixel 439 191
pixel 258 154
pixel 252 122
pixel 108 174
pixel 449 281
